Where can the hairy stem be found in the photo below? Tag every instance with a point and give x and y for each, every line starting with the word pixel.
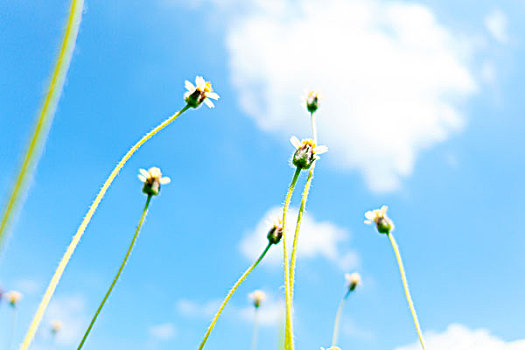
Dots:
pixel 407 291
pixel 288 333
pixel 255 329
pixel 45 116
pixel 234 288
pixel 338 318
pixel 76 238
pixel 126 257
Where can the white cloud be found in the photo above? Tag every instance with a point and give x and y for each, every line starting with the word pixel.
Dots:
pixel 194 309
pixel 459 337
pixel 496 24
pixel 394 79
pixel 71 311
pixel 164 331
pixel 270 313
pixel 317 239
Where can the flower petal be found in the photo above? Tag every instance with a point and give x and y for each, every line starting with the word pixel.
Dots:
pixel 370 215
pixel 321 149
pixel 201 83
pixel 208 103
pixel 144 172
pixel 154 172
pixel 142 178
pixel 212 95
pixel 165 180
pixel 295 142
pixel 189 86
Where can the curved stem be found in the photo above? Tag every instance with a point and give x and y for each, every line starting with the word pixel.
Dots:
pixel 234 288
pixel 288 333
pixel 126 257
pixel 74 242
pixel 298 228
pixel 46 114
pixel 338 318
pixel 407 292
pixel 255 329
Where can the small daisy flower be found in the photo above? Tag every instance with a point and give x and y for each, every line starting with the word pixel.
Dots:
pixel 13 297
pixel 353 280
pixel 306 152
pixel 152 180
pixel 276 231
pixel 257 297
pixel 202 92
pixel 56 326
pixel 312 101
pixel 381 220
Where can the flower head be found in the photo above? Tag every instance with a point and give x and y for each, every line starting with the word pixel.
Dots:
pixel 257 297
pixel 152 180
pixel 56 326
pixel 306 152
pixel 353 280
pixel 276 231
pixel 312 101
pixel 202 92
pixel 381 220
pixel 13 297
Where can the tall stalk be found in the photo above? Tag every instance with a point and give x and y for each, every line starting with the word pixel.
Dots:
pixel 338 318
pixel 124 261
pixel 80 231
pixel 230 293
pixel 45 116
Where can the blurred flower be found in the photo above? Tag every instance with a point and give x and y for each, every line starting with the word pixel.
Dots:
pixel 306 152
pixel 312 101
pixel 381 220
pixel 332 348
pixel 200 93
pixel 257 297
pixel 152 180
pixel 353 280
pixel 276 232
pixel 56 326
pixel 13 297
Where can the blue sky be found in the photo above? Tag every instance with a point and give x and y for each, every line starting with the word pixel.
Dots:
pixel 422 111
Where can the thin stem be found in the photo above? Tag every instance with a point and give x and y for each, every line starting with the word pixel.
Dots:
pixel 126 257
pixel 407 292
pixel 255 329
pixel 76 238
pixel 298 228
pixel 314 127
pixel 338 318
pixel 288 335
pixel 230 293
pixel 12 331
pixel 46 114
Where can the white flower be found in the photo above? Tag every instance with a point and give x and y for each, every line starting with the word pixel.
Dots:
pixel 312 101
pixel 381 220
pixel 56 326
pixel 257 297
pixel 13 297
pixel 200 93
pixel 152 180
pixel 353 280
pixel 306 152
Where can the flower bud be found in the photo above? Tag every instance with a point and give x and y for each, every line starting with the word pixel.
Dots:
pixel 312 101
pixel 276 232
pixel 306 152
pixel 353 280
pixel 152 180
pixel 257 297
pixel 382 221
pixel 13 297
pixel 199 93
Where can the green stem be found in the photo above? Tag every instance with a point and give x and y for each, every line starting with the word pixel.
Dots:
pixel 338 318
pixel 82 228
pixel 298 228
pixel 234 288
pixel 407 292
pixel 255 329
pixel 288 335
pixel 314 127
pixel 45 116
pixel 130 248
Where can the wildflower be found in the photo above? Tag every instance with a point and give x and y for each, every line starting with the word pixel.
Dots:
pixel 306 152
pixel 312 101
pixel 332 348
pixel 257 297
pixel 379 217
pixel 353 280
pixel 56 326
pixel 200 93
pixel 13 297
pixel 152 180
pixel 276 232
